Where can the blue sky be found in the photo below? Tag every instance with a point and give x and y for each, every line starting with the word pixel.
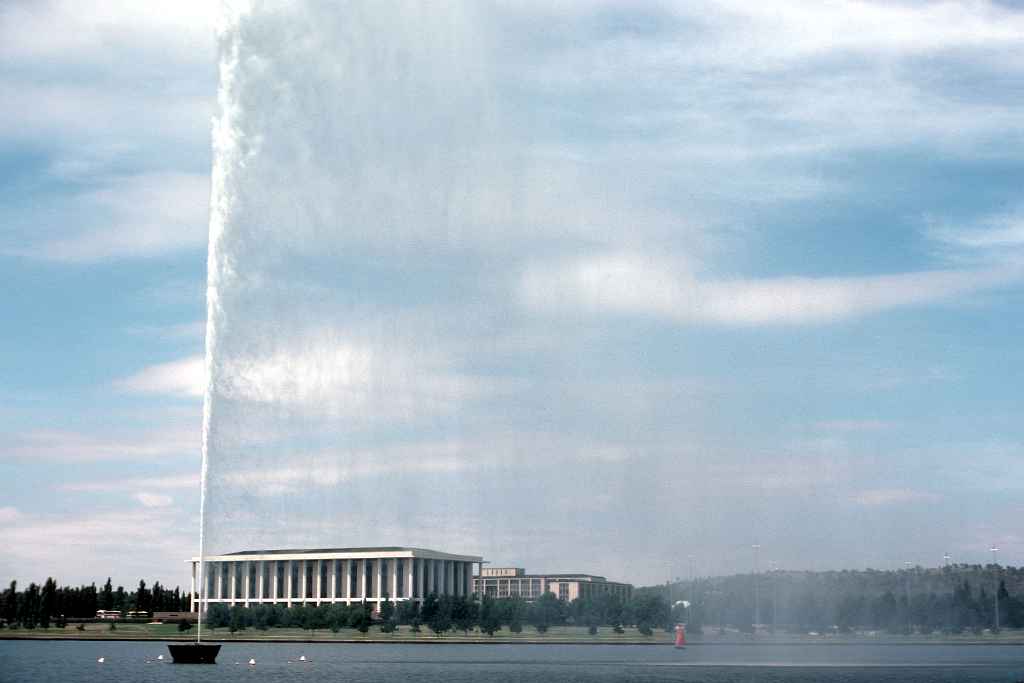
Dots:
pixel 664 279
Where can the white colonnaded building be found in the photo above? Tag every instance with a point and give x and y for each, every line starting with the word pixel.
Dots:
pixel 332 575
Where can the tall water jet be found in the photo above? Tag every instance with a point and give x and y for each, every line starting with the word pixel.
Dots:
pixel 387 212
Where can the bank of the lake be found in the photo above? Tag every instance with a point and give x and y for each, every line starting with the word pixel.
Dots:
pixel 556 635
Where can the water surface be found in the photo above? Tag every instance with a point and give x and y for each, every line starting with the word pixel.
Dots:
pixel 135 661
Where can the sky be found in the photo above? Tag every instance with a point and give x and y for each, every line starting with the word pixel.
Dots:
pixel 584 286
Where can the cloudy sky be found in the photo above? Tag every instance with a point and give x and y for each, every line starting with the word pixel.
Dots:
pixel 575 286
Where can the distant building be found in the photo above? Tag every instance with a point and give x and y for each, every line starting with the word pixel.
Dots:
pixel 108 614
pixel 332 575
pixel 514 582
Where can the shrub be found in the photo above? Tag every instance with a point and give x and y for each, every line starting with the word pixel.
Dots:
pixel 184 624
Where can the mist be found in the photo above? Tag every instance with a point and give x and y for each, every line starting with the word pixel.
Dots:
pixel 599 288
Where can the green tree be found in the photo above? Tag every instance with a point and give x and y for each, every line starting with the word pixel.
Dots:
pixel 387 610
pixel 441 621
pixel 142 597
pixel 47 602
pixel 545 612
pixel 360 618
pixel 464 614
pixel 237 620
pixel 429 609
pixel 490 618
pixel 184 625
pixel 106 597
pixel 28 607
pixel 218 616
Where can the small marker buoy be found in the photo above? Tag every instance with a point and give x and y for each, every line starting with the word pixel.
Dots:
pixel 100 660
pixel 302 658
pixel 160 658
pixel 252 662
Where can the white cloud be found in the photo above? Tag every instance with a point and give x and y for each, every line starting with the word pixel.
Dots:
pixel 330 469
pixel 126 484
pixel 997 238
pixel 153 500
pixel 641 285
pixel 150 543
pixel 60 446
pixel 193 330
pixel 330 373
pixel 878 497
pixel 183 378
pixel 853 426
pixel 137 216
pixel 9 514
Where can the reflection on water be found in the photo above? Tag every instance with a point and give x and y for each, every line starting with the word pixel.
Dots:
pixel 77 661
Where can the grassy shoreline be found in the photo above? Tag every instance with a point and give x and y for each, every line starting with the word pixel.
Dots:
pixel 561 635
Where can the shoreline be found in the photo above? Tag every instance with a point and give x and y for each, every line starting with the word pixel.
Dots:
pixel 668 642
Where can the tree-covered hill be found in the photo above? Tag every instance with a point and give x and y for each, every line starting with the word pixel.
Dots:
pixel 953 598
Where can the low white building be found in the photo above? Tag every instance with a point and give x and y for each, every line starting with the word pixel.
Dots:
pixel 332 575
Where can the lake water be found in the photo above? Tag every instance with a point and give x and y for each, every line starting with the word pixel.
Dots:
pixel 354 663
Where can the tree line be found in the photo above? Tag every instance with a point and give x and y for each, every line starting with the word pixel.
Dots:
pixel 50 603
pixel 444 614
pixel 953 599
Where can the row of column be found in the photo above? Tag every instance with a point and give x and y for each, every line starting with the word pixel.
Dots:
pixel 347 580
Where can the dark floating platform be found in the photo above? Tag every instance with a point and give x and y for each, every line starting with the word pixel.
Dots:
pixel 194 653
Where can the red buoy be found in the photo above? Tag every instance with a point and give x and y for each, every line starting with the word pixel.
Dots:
pixel 680 636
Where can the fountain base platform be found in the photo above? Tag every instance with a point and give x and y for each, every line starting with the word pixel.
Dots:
pixel 194 653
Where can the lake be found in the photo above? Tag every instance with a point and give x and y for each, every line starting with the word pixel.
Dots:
pixel 354 663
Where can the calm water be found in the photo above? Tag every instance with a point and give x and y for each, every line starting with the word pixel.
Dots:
pixel 76 661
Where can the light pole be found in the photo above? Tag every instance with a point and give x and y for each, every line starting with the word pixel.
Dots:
pixel 949 612
pixel 995 581
pixel 910 624
pixel 757 589
pixel 775 594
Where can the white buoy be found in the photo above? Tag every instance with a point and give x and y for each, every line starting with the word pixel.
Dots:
pixel 100 660
pixel 302 658
pixel 252 662
pixel 160 657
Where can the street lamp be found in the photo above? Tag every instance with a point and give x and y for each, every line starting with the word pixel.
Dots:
pixel 995 581
pixel 775 594
pixel 910 624
pixel 757 589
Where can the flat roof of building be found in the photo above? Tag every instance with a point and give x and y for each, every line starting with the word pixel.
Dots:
pixel 570 576
pixel 340 553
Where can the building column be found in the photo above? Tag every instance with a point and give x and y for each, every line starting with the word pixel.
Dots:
pixel 360 580
pixel 429 571
pixel 408 578
pixel 261 566
pixel 192 593
pixel 334 580
pixel 288 582
pixel 318 586
pixel 273 579
pixel 346 580
pixel 393 564
pixel 467 577
pixel 379 586
pixel 247 578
